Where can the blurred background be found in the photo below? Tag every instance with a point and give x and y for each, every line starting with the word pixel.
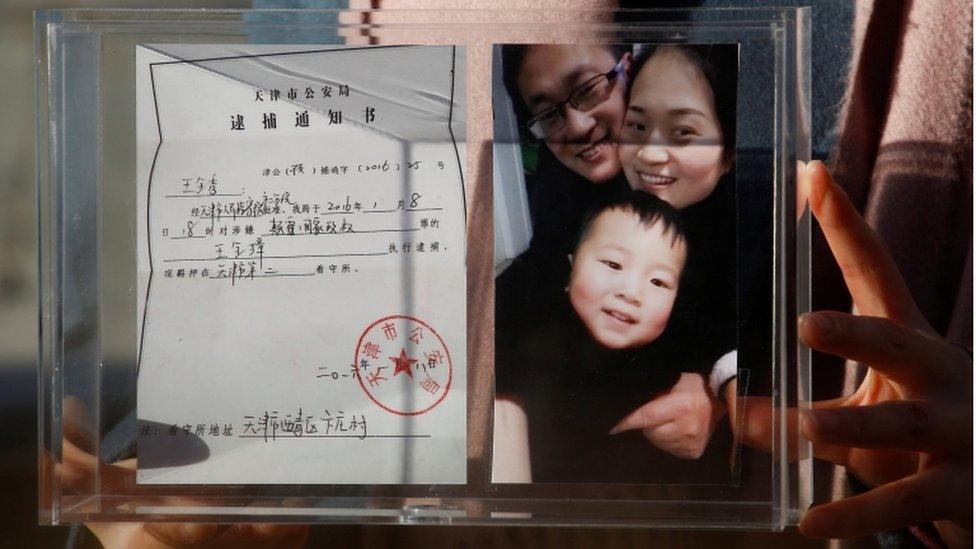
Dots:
pixel 19 320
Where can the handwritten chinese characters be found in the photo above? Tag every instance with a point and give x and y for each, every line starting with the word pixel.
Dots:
pixel 271 425
pixel 243 229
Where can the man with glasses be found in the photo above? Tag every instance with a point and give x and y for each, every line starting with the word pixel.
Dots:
pixel 573 98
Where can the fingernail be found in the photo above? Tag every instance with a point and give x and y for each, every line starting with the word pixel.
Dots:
pixel 823 325
pixel 815 193
pixel 824 421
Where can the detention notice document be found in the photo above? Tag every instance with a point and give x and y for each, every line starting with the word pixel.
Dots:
pixel 301 264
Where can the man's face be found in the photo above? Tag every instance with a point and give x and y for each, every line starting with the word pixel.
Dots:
pixel 587 143
pixel 625 278
pixel 672 140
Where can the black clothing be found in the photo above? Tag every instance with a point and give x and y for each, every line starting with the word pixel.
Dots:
pixel 574 391
pixel 704 318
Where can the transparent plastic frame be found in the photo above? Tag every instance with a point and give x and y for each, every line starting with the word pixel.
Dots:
pixel 86 126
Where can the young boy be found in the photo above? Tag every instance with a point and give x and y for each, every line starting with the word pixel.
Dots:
pixel 584 355
pixel 626 269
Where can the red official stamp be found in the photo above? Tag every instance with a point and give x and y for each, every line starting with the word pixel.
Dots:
pixel 403 365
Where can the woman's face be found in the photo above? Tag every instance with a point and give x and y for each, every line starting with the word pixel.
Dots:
pixel 587 143
pixel 671 144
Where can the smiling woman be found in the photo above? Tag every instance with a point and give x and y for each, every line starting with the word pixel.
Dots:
pixel 676 139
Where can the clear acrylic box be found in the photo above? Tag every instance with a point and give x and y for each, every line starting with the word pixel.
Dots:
pixel 99 216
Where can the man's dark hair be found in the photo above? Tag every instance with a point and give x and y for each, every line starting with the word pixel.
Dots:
pixel 649 209
pixel 720 65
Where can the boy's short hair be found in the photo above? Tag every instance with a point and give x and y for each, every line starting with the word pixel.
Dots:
pixel 649 209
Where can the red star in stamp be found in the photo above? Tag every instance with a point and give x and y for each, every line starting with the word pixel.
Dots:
pixel 402 363
pixel 415 349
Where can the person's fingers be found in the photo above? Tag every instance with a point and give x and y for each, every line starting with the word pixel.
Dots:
pixel 667 433
pixel 277 531
pixel 263 536
pixel 154 535
pixel 760 418
pixel 802 188
pixel 671 441
pixel 77 425
pixel 653 414
pixel 183 534
pixel 80 470
pixel 936 493
pixel 900 353
pixel 756 424
pixel 77 467
pixel 905 425
pixel 871 275
pixel 675 440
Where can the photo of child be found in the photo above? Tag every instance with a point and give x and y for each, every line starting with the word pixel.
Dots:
pixel 616 329
pixel 626 269
pixel 591 346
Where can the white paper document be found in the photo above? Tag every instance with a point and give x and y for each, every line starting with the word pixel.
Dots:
pixel 301 265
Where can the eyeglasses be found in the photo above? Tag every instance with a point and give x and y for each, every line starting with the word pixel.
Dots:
pixel 586 96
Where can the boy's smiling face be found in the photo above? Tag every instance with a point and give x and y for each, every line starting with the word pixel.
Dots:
pixel 671 144
pixel 625 278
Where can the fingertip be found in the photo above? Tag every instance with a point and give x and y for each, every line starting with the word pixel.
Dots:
pixel 815 165
pixel 803 184
pixel 821 186
pixel 816 524
pixel 818 171
pixel 816 184
pixel 815 424
pixel 816 328
pixel 620 426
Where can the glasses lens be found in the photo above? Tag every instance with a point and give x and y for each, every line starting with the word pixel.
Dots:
pixel 592 94
pixel 536 130
pixel 552 121
pixel 546 123
pixel 584 98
